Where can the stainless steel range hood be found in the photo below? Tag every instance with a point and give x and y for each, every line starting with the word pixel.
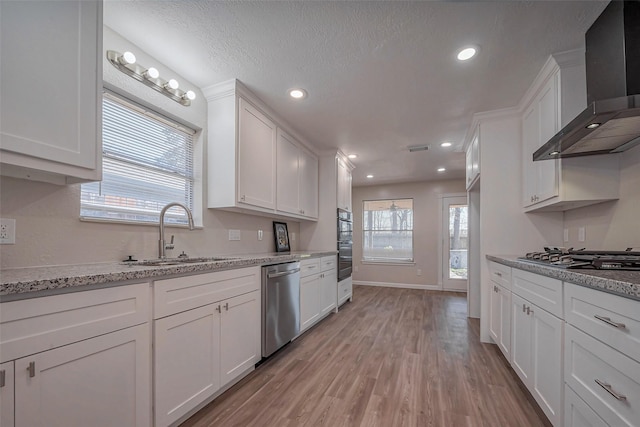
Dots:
pixel 611 123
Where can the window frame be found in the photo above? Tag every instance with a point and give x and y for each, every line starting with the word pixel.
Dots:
pixel 156 114
pixel 389 260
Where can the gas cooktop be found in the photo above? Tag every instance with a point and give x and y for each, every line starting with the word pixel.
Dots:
pixel 586 259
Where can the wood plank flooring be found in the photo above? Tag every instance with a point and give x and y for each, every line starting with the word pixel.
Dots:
pixel 392 357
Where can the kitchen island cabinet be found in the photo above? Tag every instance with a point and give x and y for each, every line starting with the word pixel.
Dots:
pixel 50 108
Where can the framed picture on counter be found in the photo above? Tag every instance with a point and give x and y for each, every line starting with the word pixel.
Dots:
pixel 281 235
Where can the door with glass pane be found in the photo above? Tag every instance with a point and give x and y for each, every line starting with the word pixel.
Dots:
pixel 455 243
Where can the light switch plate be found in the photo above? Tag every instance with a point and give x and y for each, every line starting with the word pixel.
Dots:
pixel 7 231
pixel 234 234
pixel 582 234
pixel 566 235
pixel 260 234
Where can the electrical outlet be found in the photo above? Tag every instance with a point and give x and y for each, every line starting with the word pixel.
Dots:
pixel 566 235
pixel 7 231
pixel 234 234
pixel 260 234
pixel 293 237
pixel 355 268
pixel 419 272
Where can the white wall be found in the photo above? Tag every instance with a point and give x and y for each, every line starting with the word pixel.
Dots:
pixel 48 229
pixel 427 226
pixel 611 225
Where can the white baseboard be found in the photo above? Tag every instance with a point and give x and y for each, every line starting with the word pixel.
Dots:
pixel 399 285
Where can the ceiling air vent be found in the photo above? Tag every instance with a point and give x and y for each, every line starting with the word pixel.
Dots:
pixel 414 148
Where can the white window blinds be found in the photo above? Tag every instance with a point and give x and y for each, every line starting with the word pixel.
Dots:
pixel 147 163
pixel 388 230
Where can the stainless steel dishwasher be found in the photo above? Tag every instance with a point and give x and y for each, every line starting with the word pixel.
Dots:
pixel 280 305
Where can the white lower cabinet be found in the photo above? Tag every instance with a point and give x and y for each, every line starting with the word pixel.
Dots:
pixel 500 319
pixel 102 381
pixel 6 395
pixel 202 348
pixel 536 348
pixel 318 289
pixel 345 290
pixel 577 413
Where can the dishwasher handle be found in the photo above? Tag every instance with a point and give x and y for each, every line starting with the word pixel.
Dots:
pixel 282 273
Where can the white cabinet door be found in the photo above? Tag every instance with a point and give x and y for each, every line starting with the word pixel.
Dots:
pixel 288 179
pixel 469 164
pixel 520 338
pixel 309 301
pixel 546 363
pixel 504 341
pixel 6 395
pixel 475 156
pixel 547 170
pixel 308 184
pixel 256 157
pixel 50 111
pixel 187 361
pixel 577 413
pixel 328 291
pixel 495 313
pixel 530 143
pixel 344 186
pixel 239 335
pixel 102 381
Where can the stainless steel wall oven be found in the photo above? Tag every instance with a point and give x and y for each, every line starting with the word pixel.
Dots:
pixel 345 243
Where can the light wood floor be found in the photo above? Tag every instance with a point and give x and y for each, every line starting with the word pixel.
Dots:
pixel 393 357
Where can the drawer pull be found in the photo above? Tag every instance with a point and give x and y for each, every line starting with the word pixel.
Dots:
pixel 498 274
pixel 32 369
pixel 609 390
pixel 524 308
pixel 608 321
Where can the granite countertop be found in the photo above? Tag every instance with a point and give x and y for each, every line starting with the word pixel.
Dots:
pixel 17 283
pixel 623 283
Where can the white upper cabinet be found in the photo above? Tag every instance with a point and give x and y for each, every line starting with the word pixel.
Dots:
pixel 473 160
pixel 51 80
pixel 556 97
pixel 344 185
pixel 296 178
pixel 252 163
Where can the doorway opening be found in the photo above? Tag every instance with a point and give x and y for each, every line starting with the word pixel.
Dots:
pixel 455 242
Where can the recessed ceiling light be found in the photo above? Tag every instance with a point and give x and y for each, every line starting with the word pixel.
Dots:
pixel 593 125
pixel 441 169
pixel 298 93
pixel 554 153
pixel 352 156
pixel 446 144
pixel 467 53
pixel 369 176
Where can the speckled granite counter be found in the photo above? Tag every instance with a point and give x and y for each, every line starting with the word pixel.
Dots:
pixel 623 283
pixel 19 283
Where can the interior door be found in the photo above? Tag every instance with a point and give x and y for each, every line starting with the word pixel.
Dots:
pixel 455 243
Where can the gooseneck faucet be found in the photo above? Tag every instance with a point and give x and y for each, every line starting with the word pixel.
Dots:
pixel 161 244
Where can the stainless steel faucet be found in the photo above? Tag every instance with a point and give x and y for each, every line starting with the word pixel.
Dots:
pixel 161 244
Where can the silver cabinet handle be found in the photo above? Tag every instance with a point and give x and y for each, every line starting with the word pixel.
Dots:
pixel 609 390
pixel 226 306
pixel 32 369
pixel 218 309
pixel 524 308
pixel 608 321
pixel 529 311
pixel 498 274
pixel 2 378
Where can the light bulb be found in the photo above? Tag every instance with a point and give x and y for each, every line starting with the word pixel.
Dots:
pixel 152 73
pixel 173 84
pixel 467 53
pixel 191 95
pixel 127 58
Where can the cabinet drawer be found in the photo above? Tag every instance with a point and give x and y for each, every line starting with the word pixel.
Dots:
pixel 34 325
pixel 577 413
pixel 345 290
pixel 501 274
pixel 309 266
pixel 543 291
pixel 589 362
pixel 179 294
pixel 612 319
pixel 328 263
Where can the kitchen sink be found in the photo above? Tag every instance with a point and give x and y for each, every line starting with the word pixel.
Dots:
pixel 178 261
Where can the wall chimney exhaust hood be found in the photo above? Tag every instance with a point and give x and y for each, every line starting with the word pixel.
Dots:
pixel 611 123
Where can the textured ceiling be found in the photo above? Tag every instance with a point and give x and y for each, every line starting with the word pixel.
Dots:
pixel 381 76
